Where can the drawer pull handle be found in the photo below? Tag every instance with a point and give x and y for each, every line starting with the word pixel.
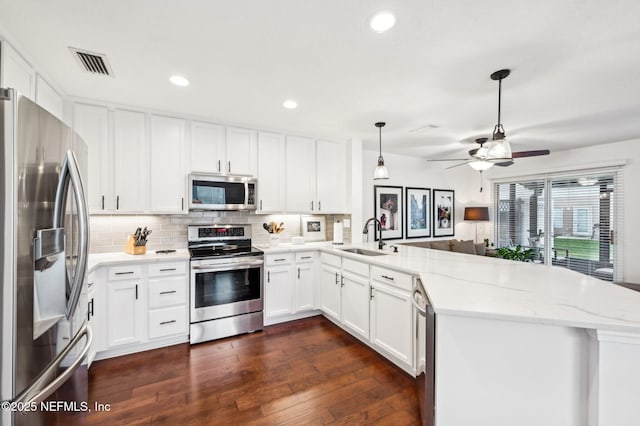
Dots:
pixel 279 260
pixel 168 292
pixel 124 273
pixel 167 322
pixel 389 278
pixel 305 257
pixel 167 269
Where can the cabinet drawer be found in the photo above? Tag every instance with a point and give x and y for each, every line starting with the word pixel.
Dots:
pixel 278 259
pixel 394 278
pixel 167 321
pixel 330 259
pixel 167 292
pixel 124 272
pixel 305 256
pixel 355 267
pixel 162 269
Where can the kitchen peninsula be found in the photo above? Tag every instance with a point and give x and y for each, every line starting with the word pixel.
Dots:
pixel 519 343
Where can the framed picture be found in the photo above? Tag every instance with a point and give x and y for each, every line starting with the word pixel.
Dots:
pixel 443 213
pixel 417 209
pixel 313 228
pixel 388 210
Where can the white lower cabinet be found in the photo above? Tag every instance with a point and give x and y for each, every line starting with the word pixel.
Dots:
pixel 277 292
pixel 289 286
pixel 135 307
pixel 125 312
pixel 371 303
pixel 355 304
pixel 392 323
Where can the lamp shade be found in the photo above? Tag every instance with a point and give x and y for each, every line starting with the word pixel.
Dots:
pixel 476 213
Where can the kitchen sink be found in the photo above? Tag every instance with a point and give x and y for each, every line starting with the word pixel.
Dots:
pixel 363 252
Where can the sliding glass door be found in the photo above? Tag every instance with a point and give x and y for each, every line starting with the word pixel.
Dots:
pixel 568 221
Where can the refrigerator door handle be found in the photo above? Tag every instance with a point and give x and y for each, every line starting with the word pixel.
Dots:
pixel 70 173
pixel 43 386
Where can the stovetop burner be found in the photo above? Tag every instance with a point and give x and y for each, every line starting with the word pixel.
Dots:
pixel 219 241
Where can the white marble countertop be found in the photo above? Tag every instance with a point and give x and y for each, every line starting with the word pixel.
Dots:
pixel 488 287
pixel 104 259
pixel 477 286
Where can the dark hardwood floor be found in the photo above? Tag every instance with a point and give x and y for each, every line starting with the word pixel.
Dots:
pixel 306 372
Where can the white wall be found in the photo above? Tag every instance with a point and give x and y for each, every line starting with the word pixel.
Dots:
pixel 416 172
pixel 586 158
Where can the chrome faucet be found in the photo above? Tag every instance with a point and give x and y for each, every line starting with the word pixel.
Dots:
pixel 366 231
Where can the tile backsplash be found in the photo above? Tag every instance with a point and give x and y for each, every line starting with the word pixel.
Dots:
pixel 109 233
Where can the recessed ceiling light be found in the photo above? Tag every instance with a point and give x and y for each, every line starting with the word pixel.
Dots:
pixel 382 21
pixel 290 104
pixel 179 80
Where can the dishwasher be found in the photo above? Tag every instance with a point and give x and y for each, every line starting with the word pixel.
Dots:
pixel 425 351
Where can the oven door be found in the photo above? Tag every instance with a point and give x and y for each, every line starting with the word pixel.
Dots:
pixel 220 290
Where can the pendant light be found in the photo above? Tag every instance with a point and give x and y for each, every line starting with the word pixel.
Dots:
pixel 381 171
pixel 500 148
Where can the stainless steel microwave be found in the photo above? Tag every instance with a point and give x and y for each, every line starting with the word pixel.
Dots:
pixel 215 192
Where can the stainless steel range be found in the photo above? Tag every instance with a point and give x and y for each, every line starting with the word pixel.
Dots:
pixel 226 282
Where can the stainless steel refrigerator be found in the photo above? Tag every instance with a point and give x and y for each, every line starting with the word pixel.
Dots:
pixel 45 240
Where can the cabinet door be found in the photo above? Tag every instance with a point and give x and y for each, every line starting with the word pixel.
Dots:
pixel 16 72
pixel 48 98
pixel 168 178
pixel 300 171
pixel 331 185
pixel 391 322
pixel 330 291
pixel 92 124
pixel 304 287
pixel 271 152
pixel 355 304
pixel 278 294
pixel 207 147
pixel 124 313
pixel 130 165
pixel 242 152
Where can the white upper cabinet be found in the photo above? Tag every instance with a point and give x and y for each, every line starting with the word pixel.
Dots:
pixel 271 173
pixel 91 122
pixel 130 165
pixel 241 150
pixel 48 98
pixel 207 147
pixel 300 172
pixel 168 180
pixel 16 72
pixel 331 183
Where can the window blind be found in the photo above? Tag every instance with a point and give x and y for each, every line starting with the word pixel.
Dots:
pixel 568 220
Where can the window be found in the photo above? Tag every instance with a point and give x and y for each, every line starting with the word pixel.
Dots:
pixel 582 211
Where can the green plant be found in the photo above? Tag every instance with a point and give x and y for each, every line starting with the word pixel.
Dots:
pixel 517 253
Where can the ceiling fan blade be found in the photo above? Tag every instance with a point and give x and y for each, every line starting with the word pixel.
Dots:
pixel 535 153
pixel 456 165
pixel 504 163
pixel 450 159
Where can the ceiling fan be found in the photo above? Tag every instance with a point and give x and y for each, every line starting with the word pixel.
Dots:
pixel 498 152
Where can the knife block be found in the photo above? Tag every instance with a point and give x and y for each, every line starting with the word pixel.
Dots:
pixel 131 248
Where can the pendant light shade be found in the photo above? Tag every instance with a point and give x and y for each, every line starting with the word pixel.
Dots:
pixel 381 171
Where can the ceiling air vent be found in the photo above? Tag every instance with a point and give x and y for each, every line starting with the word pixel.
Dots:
pixel 95 63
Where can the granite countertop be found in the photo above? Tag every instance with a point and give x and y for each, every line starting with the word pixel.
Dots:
pixel 104 259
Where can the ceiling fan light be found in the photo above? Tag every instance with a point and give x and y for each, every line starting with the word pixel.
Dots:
pixel 480 165
pixel 499 150
pixel 482 152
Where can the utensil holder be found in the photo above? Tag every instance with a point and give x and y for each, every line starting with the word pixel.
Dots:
pixel 131 248
pixel 274 240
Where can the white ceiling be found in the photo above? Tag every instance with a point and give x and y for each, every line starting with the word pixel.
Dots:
pixel 575 65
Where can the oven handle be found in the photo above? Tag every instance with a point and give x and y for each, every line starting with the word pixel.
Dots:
pixel 226 266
